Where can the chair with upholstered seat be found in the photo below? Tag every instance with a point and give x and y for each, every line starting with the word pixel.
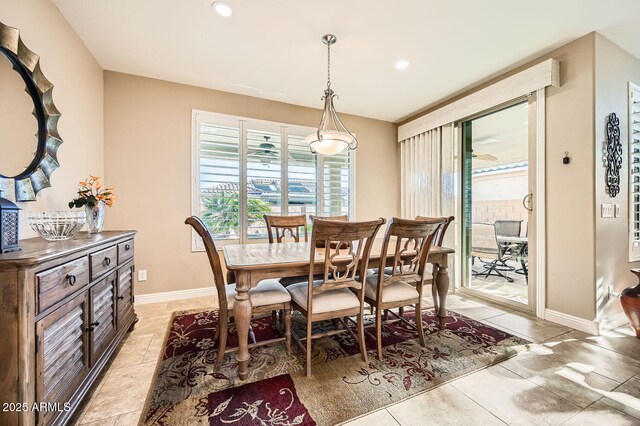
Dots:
pixel 283 225
pixel 267 296
pixel 331 297
pixel 402 284
pixel 439 239
pixel 281 229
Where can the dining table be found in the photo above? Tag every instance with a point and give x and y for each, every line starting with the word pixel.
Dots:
pixel 252 263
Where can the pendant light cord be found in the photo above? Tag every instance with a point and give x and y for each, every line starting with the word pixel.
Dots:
pixel 328 65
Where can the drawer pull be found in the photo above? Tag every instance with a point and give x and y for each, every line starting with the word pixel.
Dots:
pixel 92 326
pixel 71 279
pixel 106 261
pixel 127 247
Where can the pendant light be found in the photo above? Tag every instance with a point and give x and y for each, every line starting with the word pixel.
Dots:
pixel 332 137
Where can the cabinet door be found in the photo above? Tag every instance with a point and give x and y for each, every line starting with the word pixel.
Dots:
pixel 125 294
pixel 62 353
pixel 102 321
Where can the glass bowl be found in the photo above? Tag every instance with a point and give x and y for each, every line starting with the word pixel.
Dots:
pixel 56 225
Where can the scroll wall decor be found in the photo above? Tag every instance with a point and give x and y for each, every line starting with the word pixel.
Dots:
pixel 614 155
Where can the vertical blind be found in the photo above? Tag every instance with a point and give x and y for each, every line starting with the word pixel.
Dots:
pixel 634 172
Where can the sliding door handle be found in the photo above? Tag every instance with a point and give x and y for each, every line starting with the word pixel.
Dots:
pixel 526 202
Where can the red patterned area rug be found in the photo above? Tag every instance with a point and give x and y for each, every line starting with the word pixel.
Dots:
pixel 186 390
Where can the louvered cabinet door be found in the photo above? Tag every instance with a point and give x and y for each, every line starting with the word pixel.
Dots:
pixel 102 320
pixel 125 295
pixel 62 353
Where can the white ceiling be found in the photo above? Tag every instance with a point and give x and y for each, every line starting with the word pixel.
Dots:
pixel 272 48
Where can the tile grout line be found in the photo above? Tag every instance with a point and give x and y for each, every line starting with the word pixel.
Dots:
pixel 394 419
pixel 524 378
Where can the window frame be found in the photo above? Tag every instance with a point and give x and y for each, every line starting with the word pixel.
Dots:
pixel 243 124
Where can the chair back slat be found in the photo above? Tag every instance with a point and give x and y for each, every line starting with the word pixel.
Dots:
pixel 439 239
pixel 411 241
pixel 341 218
pixel 348 245
pixel 285 227
pixel 214 258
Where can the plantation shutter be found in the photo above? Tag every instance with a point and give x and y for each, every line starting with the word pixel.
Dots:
pixel 264 170
pixel 302 185
pixel 336 184
pixel 219 179
pixel 634 172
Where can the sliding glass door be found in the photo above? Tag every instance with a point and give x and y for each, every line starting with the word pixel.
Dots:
pixel 496 203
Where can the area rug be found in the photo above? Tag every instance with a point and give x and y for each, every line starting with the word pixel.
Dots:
pixel 187 391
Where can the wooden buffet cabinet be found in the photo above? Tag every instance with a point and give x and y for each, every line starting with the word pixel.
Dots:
pixel 64 308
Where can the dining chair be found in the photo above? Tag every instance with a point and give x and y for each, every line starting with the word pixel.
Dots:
pixel 439 240
pixel 331 297
pixel 402 284
pixel 283 225
pixel 268 296
pixel 340 218
pixel 485 246
pixel 286 227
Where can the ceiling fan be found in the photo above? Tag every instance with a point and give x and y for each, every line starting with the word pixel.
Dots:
pixel 266 151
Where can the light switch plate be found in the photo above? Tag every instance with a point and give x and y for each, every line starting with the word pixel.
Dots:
pixel 616 210
pixel 607 210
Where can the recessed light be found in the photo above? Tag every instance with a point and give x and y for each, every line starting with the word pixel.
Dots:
pixel 400 65
pixel 222 8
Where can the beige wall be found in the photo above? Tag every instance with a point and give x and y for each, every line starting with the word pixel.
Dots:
pixel 77 93
pixel 570 271
pixel 614 69
pixel 148 160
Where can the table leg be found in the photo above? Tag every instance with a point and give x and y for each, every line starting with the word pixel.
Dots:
pixel 242 314
pixel 442 284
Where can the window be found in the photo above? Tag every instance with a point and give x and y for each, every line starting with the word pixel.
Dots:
pixel 245 168
pixel 634 172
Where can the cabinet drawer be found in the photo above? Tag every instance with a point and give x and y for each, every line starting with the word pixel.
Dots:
pixel 125 251
pixel 102 261
pixel 55 284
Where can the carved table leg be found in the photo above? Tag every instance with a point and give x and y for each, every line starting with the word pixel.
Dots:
pixel 242 313
pixel 442 284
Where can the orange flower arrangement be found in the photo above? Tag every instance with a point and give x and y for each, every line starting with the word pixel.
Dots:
pixel 91 192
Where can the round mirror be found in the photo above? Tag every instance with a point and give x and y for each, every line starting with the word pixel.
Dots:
pixel 29 138
pixel 18 125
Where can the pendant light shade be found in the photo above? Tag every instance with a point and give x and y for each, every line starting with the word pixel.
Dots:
pixel 332 137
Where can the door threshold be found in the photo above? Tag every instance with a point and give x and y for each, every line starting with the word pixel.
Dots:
pixel 496 300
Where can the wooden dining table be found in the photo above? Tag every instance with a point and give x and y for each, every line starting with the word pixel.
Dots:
pixel 252 263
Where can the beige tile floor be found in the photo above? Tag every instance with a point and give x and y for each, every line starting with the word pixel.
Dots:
pixel 568 377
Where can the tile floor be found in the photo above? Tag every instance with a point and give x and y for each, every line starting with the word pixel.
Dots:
pixel 568 377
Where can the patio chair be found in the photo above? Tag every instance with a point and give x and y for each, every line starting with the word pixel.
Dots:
pixel 267 296
pixel 331 297
pixel 401 285
pixel 485 246
pixel 508 228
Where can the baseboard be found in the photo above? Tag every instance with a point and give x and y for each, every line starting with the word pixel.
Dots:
pixel 167 296
pixel 587 326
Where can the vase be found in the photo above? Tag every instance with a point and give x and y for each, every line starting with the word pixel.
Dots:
pixel 95 217
pixel 630 301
